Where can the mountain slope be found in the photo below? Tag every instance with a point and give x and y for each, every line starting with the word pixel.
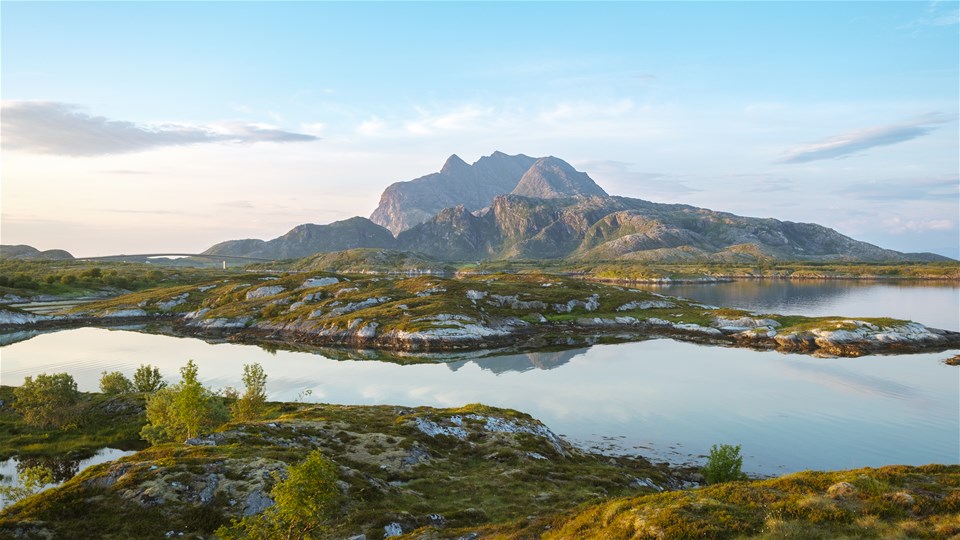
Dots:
pixel 405 204
pixel 611 228
pixel 552 178
pixel 519 207
pixel 309 239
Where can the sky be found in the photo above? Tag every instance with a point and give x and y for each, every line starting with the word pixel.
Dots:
pixel 168 127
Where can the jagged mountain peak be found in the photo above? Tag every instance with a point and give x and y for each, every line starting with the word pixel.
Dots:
pixel 454 165
pixel 406 204
pixel 552 178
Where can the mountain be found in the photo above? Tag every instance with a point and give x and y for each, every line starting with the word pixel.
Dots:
pixel 552 178
pixel 309 239
pixel 519 207
pixel 621 228
pixel 405 204
pixel 29 252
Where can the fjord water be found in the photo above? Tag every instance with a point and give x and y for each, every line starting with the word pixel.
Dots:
pixel 935 304
pixel 662 399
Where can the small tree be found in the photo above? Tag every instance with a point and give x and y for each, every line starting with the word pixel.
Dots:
pixel 723 465
pixel 147 379
pixel 115 383
pixel 48 400
pixel 183 411
pixel 252 403
pixel 32 480
pixel 304 501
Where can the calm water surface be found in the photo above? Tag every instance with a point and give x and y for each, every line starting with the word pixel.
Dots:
pixel 660 398
pixel 63 469
pixel 931 303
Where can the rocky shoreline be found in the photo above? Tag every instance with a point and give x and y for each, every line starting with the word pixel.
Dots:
pixel 846 338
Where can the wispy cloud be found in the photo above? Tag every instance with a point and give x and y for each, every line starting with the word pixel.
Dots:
pixel 917 189
pixel 569 111
pixel 898 225
pixel 938 14
pixel 372 127
pixel 125 172
pixel 60 128
pixel 622 175
pixel 843 145
pixel 461 119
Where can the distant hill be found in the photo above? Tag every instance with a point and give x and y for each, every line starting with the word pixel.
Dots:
pixel 519 207
pixel 25 252
pixel 367 260
pixel 309 239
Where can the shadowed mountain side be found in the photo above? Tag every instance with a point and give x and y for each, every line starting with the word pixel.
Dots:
pixel 520 362
pixel 309 239
pixel 405 204
pixel 610 228
pixel 519 207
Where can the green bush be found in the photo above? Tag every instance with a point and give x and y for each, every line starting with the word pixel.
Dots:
pixel 115 383
pixel 251 404
pixel 147 379
pixel 723 464
pixel 304 502
pixel 48 400
pixel 183 411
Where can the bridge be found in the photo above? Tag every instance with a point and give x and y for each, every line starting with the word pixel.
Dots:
pixel 198 255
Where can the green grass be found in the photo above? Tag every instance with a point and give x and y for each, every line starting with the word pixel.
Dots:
pixel 889 502
pixel 487 483
pixel 487 478
pixel 106 421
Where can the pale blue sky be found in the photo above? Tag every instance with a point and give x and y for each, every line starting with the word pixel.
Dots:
pixel 142 126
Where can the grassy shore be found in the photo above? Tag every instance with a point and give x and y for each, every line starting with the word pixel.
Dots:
pixel 475 471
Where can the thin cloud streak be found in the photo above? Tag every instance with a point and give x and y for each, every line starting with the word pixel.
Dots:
pixel 46 127
pixel 843 145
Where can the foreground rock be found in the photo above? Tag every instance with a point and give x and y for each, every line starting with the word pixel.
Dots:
pixel 475 472
pixel 430 313
pixel 399 469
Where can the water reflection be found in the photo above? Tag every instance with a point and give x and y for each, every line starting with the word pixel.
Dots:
pixel 662 398
pixel 63 468
pixel 933 304
pixel 520 362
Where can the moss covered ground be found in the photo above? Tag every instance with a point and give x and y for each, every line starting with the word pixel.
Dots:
pixel 474 472
pixel 887 502
pixel 412 466
pixel 486 310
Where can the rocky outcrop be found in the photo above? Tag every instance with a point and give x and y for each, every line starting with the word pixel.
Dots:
pixel 619 228
pixel 518 207
pixel 552 178
pixel 405 204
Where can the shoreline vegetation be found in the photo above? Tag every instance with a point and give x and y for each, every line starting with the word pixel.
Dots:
pixel 420 472
pixel 524 310
pixel 427 473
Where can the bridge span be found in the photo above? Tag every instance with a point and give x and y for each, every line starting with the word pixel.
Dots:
pixel 198 255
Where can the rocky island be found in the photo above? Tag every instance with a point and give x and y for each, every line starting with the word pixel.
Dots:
pixel 487 311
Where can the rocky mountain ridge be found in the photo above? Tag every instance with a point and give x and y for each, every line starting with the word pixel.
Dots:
pixel 405 204
pixel 519 207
